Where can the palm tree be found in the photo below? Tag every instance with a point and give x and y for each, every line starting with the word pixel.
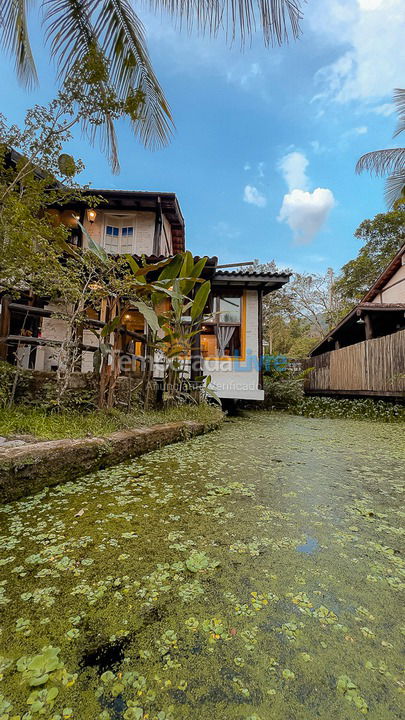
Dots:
pixel 112 28
pixel 389 162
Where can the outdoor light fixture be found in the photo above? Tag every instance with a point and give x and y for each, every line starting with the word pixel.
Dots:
pixel 91 215
pixel 360 321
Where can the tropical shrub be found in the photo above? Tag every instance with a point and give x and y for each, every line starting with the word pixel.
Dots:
pixel 355 409
pixel 9 382
pixel 283 390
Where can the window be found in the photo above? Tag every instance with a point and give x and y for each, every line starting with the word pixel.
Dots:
pixel 119 237
pixel 221 328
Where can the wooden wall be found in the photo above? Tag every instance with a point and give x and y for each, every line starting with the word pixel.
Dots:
pixel 372 367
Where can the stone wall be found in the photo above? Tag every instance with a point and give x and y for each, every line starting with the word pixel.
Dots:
pixel 28 469
pixel 39 389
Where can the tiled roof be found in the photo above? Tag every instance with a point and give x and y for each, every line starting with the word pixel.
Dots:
pixel 252 273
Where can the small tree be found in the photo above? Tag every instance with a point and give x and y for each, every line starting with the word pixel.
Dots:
pixel 180 321
pixel 382 237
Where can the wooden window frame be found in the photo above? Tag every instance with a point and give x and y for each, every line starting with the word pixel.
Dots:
pixel 217 322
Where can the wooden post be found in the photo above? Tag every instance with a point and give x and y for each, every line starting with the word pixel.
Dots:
pixel 260 336
pixel 4 325
pixel 368 327
pixel 196 369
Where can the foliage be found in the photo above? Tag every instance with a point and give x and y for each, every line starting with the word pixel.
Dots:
pixel 199 561
pixel 296 316
pixel 29 185
pixel 7 380
pixel 113 36
pixel 42 176
pixel 36 670
pixel 391 161
pixel 178 320
pixel 356 409
pixel 283 389
pixel 382 237
pixel 73 423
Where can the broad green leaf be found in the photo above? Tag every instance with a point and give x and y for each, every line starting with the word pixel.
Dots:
pixel 111 326
pixel 200 300
pixel 199 267
pixel 145 269
pixel 187 265
pixel 149 315
pixel 171 270
pixel 132 263
pixel 93 246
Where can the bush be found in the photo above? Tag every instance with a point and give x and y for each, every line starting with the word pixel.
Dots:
pixel 350 409
pixel 283 390
pixel 7 377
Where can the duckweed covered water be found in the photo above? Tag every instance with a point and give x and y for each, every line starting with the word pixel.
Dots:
pixel 252 573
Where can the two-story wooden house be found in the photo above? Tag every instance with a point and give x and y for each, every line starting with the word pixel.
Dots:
pixel 229 345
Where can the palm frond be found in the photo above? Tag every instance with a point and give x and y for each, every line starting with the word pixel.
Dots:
pixel 123 42
pixel 399 100
pixel 382 162
pixel 70 31
pixel 394 187
pixel 238 18
pixel 14 29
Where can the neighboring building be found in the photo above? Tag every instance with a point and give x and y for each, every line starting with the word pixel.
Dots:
pixel 229 346
pixel 379 313
pixel 365 353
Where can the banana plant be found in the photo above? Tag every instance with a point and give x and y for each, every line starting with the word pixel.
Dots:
pixel 127 284
pixel 180 322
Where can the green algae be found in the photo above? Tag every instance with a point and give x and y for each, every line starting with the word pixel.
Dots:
pixel 253 573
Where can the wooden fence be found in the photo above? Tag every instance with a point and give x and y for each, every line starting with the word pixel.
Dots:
pixel 373 367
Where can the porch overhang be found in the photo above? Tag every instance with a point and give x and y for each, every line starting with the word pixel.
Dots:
pixel 263 282
pixel 384 319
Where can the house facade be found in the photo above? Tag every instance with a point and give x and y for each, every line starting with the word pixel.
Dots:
pixel 365 353
pixel 228 347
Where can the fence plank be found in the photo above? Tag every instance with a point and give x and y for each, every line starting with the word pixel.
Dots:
pixel 375 367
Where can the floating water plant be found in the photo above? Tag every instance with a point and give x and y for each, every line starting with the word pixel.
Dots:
pixel 179 589
pixel 36 669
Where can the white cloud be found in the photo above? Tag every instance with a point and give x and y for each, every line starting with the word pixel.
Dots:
pixel 305 212
pixel 247 166
pixel 386 109
pixel 253 196
pixel 317 148
pixel 293 168
pixel 245 77
pixel 355 132
pixel 373 33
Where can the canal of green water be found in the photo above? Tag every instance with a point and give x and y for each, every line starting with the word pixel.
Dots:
pixel 249 574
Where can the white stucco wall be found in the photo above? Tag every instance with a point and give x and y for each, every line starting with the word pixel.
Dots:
pixel 239 379
pixel 52 329
pixel 394 290
pixel 144 230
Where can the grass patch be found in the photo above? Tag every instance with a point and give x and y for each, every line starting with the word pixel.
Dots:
pixel 22 420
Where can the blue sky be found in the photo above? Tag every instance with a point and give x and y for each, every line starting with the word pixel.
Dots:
pixel 266 140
